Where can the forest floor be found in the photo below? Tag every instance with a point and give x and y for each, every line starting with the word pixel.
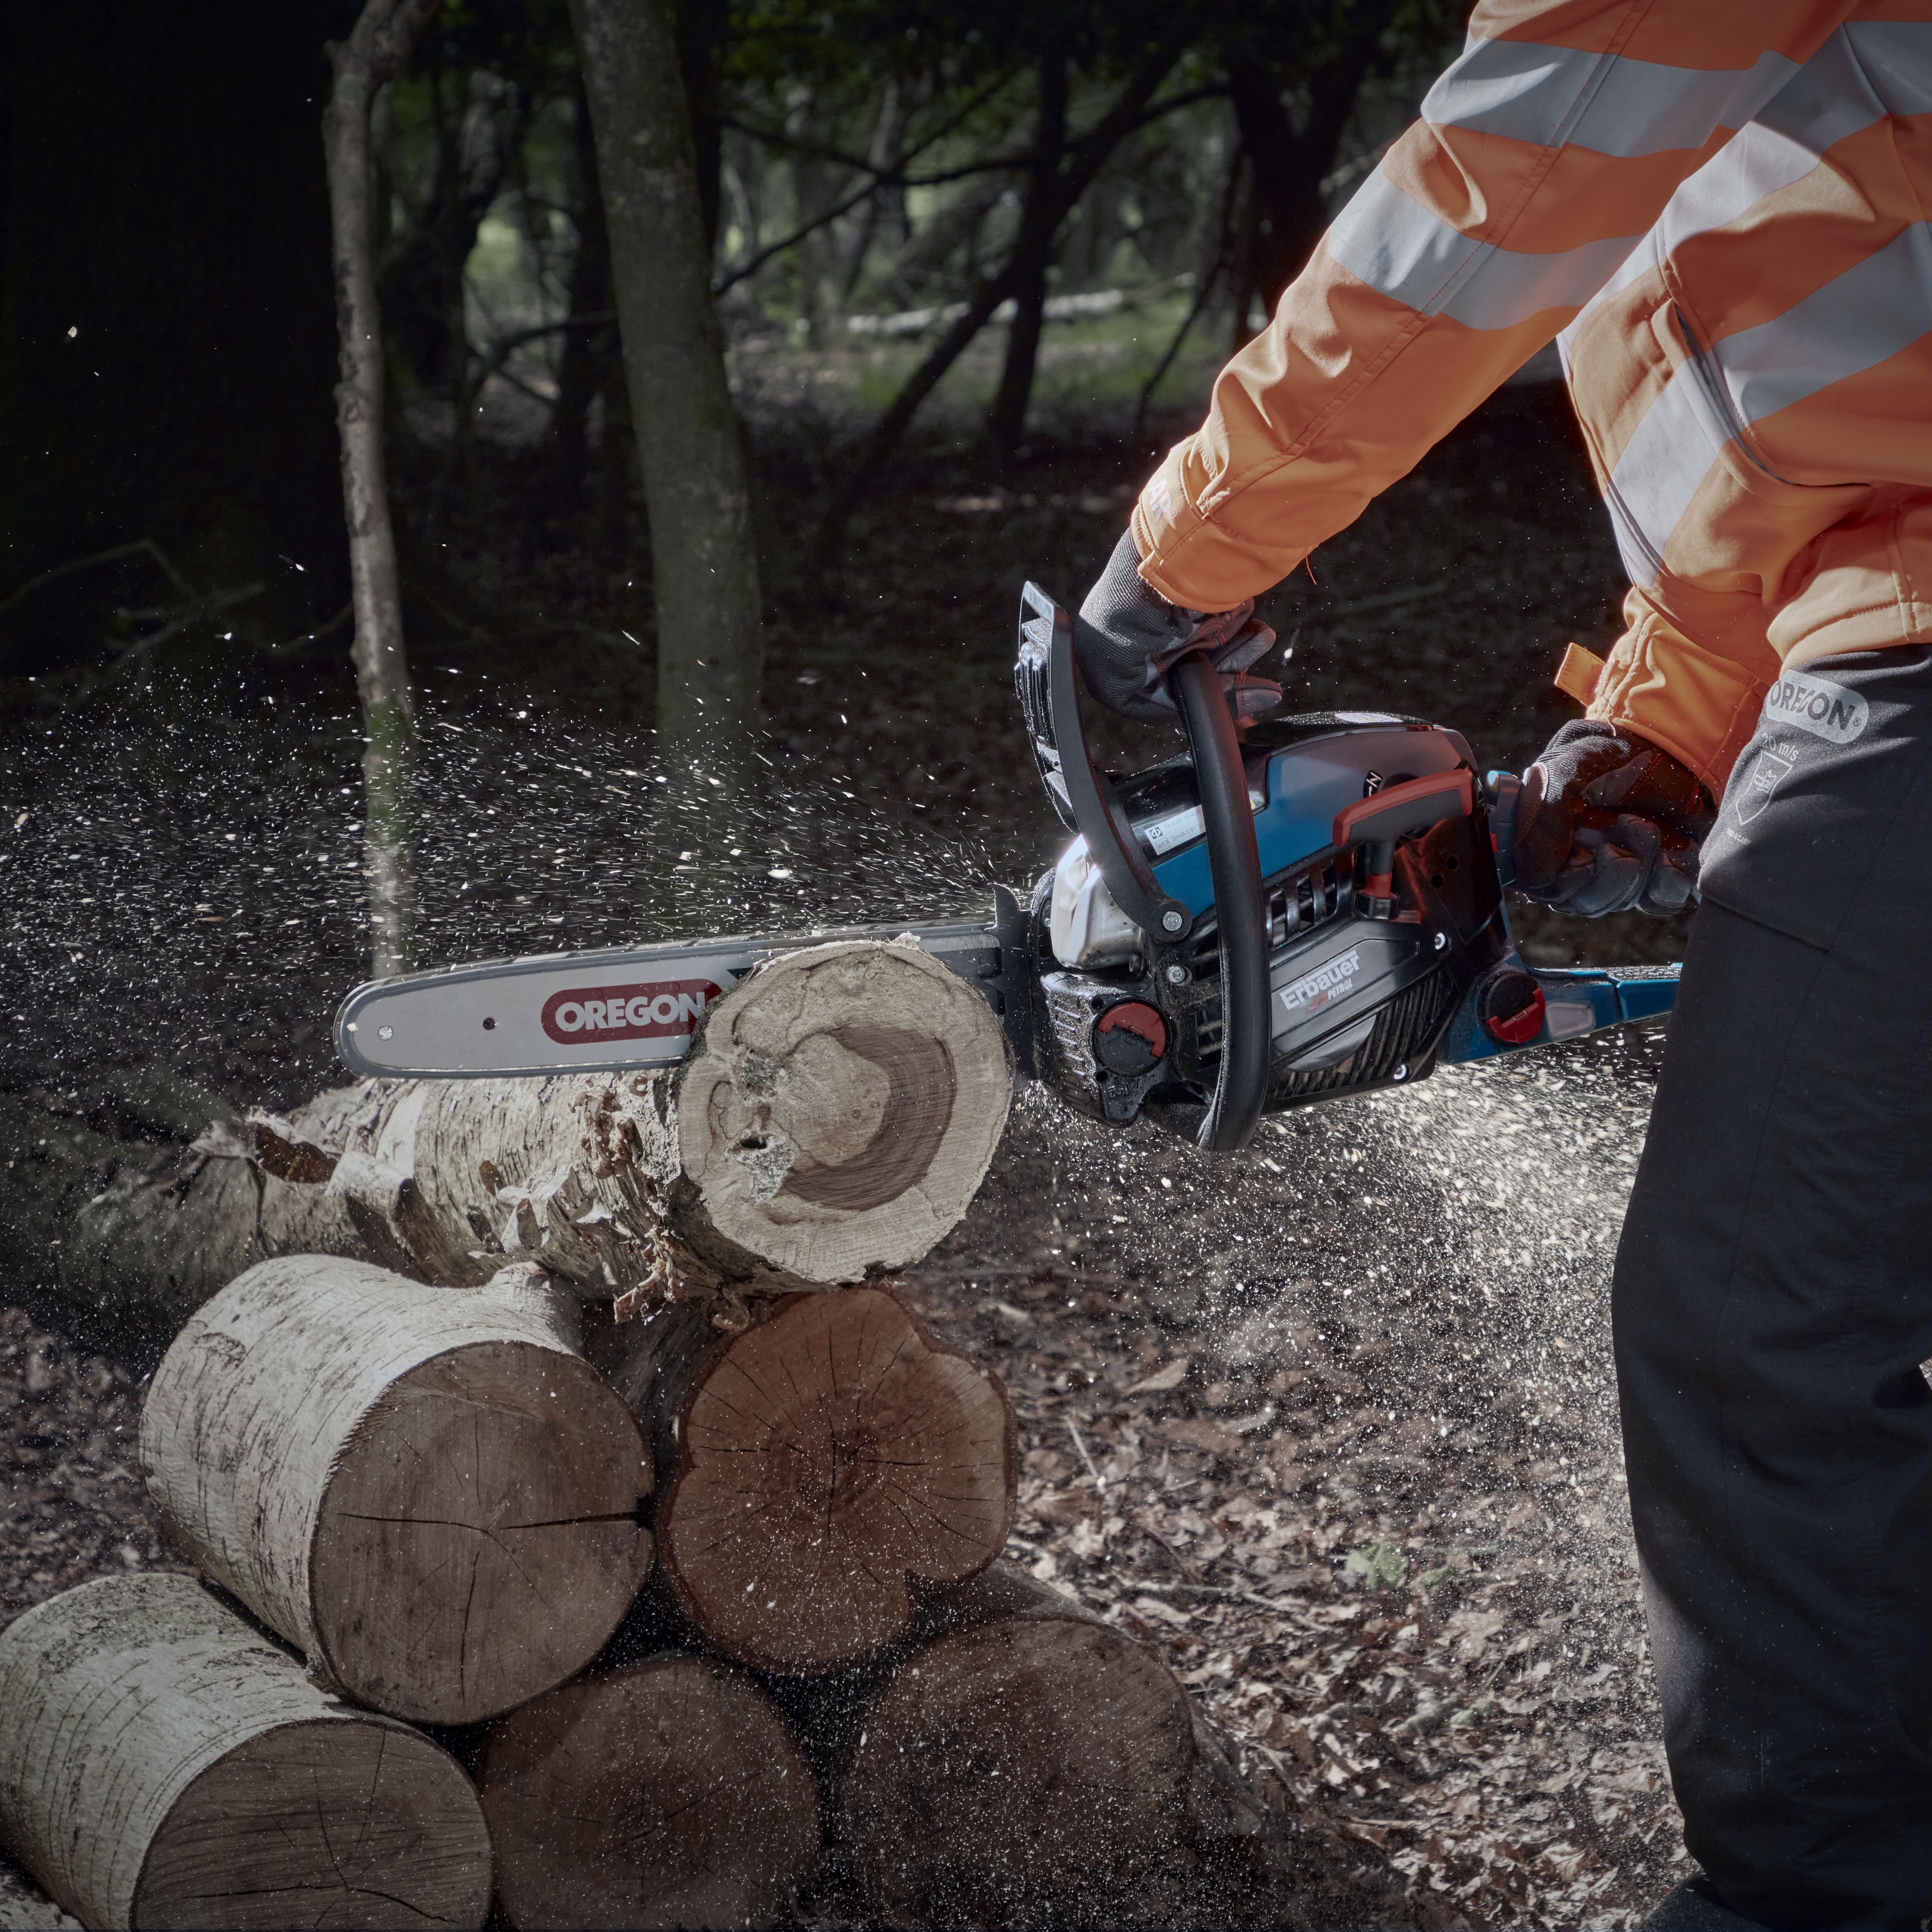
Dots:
pixel 1332 1421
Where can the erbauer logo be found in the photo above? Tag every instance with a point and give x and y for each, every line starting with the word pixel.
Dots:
pixel 582 1014
pixel 1813 704
pixel 1311 994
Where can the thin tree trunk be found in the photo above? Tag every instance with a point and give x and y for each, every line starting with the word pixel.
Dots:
pixel 161 1764
pixel 1045 209
pixel 1087 156
pixel 696 486
pixel 1289 166
pixel 588 354
pixel 883 154
pixel 362 64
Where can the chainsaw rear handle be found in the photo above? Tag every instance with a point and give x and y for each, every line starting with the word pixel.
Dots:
pixel 1240 912
pixel 1399 812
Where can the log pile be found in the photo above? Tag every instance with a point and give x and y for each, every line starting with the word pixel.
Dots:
pixel 586 1413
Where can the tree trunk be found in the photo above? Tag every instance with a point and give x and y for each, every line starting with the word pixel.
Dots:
pixel 1030 1764
pixel 588 354
pixel 427 1490
pixel 1289 167
pixel 696 488
pixel 363 63
pixel 161 1764
pixel 668 1793
pixel 835 1117
pixel 1046 208
pixel 818 1472
pixel 1058 190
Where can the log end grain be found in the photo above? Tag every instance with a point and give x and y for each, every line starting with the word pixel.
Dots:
pixel 1031 1770
pixel 161 1764
pixel 480 1537
pixel 832 1462
pixel 320 1824
pixel 669 1793
pixel 427 1490
pixel 838 1110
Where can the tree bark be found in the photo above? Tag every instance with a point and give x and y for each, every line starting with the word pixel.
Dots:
pixel 162 1764
pixel 1290 166
pixel 1030 1764
pixel 819 1472
pixel 588 354
pixel 834 1118
pixel 427 1490
pixel 362 64
pixel 696 486
pixel 668 1793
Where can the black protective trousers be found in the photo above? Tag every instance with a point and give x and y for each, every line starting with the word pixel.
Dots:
pixel 1773 1303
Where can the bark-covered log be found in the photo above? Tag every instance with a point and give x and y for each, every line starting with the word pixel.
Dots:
pixel 1030 1764
pixel 819 1470
pixel 427 1490
pixel 161 1764
pixel 667 1793
pixel 835 1116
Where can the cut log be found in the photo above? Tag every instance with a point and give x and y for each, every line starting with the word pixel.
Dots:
pixel 428 1491
pixel 818 1471
pixel 834 1118
pixel 162 1764
pixel 1032 1765
pixel 668 1793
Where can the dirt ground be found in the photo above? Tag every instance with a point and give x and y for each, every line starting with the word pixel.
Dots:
pixel 1330 1422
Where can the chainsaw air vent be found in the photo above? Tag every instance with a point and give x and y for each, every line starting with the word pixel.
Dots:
pixel 1297 906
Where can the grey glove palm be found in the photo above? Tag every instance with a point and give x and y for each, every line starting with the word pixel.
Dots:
pixel 1127 634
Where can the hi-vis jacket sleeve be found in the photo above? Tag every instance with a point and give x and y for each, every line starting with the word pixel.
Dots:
pixel 1542 158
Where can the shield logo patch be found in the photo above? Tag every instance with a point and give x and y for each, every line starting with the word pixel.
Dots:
pixel 1753 793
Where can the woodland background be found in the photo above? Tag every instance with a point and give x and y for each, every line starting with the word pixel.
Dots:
pixel 974 268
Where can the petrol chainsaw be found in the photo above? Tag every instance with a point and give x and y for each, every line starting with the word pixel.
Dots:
pixel 1294 909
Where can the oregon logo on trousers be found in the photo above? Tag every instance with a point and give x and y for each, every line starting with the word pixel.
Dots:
pixel 1829 711
pixel 581 1014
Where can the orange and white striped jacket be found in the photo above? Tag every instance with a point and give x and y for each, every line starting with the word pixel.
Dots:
pixel 1719 210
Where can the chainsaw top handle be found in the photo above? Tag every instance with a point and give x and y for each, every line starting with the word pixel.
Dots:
pixel 1045 677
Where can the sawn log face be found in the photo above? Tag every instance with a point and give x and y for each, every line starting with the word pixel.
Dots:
pixel 162 1764
pixel 668 1793
pixel 427 1490
pixel 820 1471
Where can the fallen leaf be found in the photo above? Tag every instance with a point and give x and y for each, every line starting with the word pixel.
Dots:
pixel 1161 1380
pixel 1204 1434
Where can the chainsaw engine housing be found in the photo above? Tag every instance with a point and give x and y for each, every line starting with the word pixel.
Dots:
pixel 1373 943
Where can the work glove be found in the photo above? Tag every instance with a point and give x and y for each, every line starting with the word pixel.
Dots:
pixel 1605 822
pixel 1127 634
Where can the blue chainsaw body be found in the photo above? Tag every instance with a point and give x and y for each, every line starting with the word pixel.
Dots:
pixel 1367 857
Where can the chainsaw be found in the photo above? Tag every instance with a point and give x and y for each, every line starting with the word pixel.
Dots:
pixel 1294 909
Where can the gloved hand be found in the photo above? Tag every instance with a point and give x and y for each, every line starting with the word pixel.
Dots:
pixel 1127 634
pixel 1606 821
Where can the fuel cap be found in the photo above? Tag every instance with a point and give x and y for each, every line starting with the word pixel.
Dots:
pixel 1130 1038
pixel 1510 1006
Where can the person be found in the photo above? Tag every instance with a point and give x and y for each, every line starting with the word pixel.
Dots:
pixel 1719 211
